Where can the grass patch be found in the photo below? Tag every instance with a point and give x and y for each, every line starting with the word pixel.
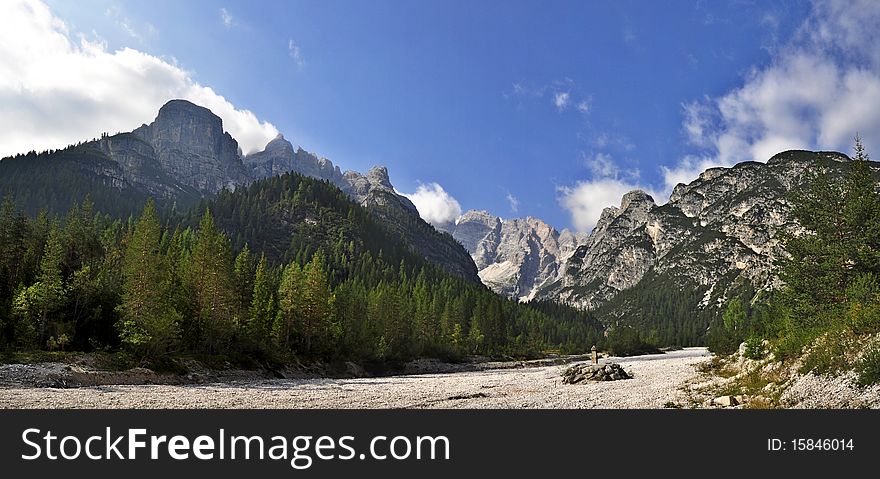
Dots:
pixel 868 367
pixel 831 354
pixel 32 357
pixel 716 367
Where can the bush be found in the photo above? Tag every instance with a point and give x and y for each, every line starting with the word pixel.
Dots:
pixel 868 367
pixel 829 354
pixel 722 341
pixel 626 341
pixel 755 348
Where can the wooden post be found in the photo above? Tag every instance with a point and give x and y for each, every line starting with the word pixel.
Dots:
pixel 595 355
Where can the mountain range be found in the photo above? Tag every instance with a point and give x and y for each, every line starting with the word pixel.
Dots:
pixel 185 155
pixel 717 234
pixel 715 237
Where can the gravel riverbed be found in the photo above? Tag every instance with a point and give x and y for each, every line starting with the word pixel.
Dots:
pixel 658 380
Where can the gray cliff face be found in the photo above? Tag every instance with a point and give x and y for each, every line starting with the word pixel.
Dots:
pixel 375 192
pixel 718 232
pixel 186 153
pixel 514 257
pixel 137 166
pixel 279 157
pixel 375 189
pixel 190 145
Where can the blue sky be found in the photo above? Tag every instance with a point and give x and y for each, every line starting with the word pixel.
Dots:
pixel 549 109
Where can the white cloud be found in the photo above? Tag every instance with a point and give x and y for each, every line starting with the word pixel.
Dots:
pixel 686 171
pixel 697 121
pixel 293 51
pixel 820 88
pixel 227 18
pixel 586 199
pixel 139 33
pixel 58 87
pixel 561 99
pixel 513 202
pixel 583 106
pixel 601 165
pixel 435 205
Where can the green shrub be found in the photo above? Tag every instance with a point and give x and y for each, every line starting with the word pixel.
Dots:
pixel 829 354
pixel 626 341
pixel 755 348
pixel 868 367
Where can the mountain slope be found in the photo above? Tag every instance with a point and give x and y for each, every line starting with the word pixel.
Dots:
pixel 184 155
pixel 716 238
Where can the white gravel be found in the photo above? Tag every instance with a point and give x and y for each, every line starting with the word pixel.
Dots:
pixel 658 380
pixel 824 392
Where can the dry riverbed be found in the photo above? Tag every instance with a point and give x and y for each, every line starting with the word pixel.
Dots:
pixel 658 381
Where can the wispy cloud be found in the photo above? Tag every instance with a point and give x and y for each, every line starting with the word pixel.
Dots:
pixel 140 32
pixel 629 36
pixel 294 52
pixel 227 18
pixel 513 202
pixel 562 94
pixel 561 100
pixel 583 106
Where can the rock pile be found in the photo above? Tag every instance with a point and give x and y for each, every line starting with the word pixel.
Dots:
pixel 594 372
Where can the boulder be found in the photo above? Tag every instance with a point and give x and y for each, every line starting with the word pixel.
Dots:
pixel 581 372
pixel 726 401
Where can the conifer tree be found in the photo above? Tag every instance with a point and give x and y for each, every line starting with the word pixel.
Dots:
pixel 210 281
pixel 148 322
pixel 290 306
pixel 316 302
pixel 262 308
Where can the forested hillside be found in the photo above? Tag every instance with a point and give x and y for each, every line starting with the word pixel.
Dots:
pixel 827 314
pixel 287 266
pixel 54 180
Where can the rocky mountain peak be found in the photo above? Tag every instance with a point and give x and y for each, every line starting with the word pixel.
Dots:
pixel 717 233
pixel 189 143
pixel 280 144
pixel 804 155
pixel 636 200
pixel 176 111
pixel 378 177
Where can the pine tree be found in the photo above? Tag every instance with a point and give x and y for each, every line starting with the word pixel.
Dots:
pixel 316 302
pixel 210 281
pixel 262 309
pixel 148 322
pixel 290 306
pixel 841 243
pixel 38 303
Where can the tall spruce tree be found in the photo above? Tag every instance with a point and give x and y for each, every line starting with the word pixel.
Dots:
pixel 290 306
pixel 262 309
pixel 841 217
pixel 317 303
pixel 210 281
pixel 148 323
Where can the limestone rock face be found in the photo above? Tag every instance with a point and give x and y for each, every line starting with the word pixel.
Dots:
pixel 279 157
pixel 375 192
pixel 190 145
pixel 716 232
pixel 515 257
pixel 375 189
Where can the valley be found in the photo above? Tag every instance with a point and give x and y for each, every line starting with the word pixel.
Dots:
pixel 658 381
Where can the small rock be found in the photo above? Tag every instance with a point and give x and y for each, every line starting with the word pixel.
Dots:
pixel 725 401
